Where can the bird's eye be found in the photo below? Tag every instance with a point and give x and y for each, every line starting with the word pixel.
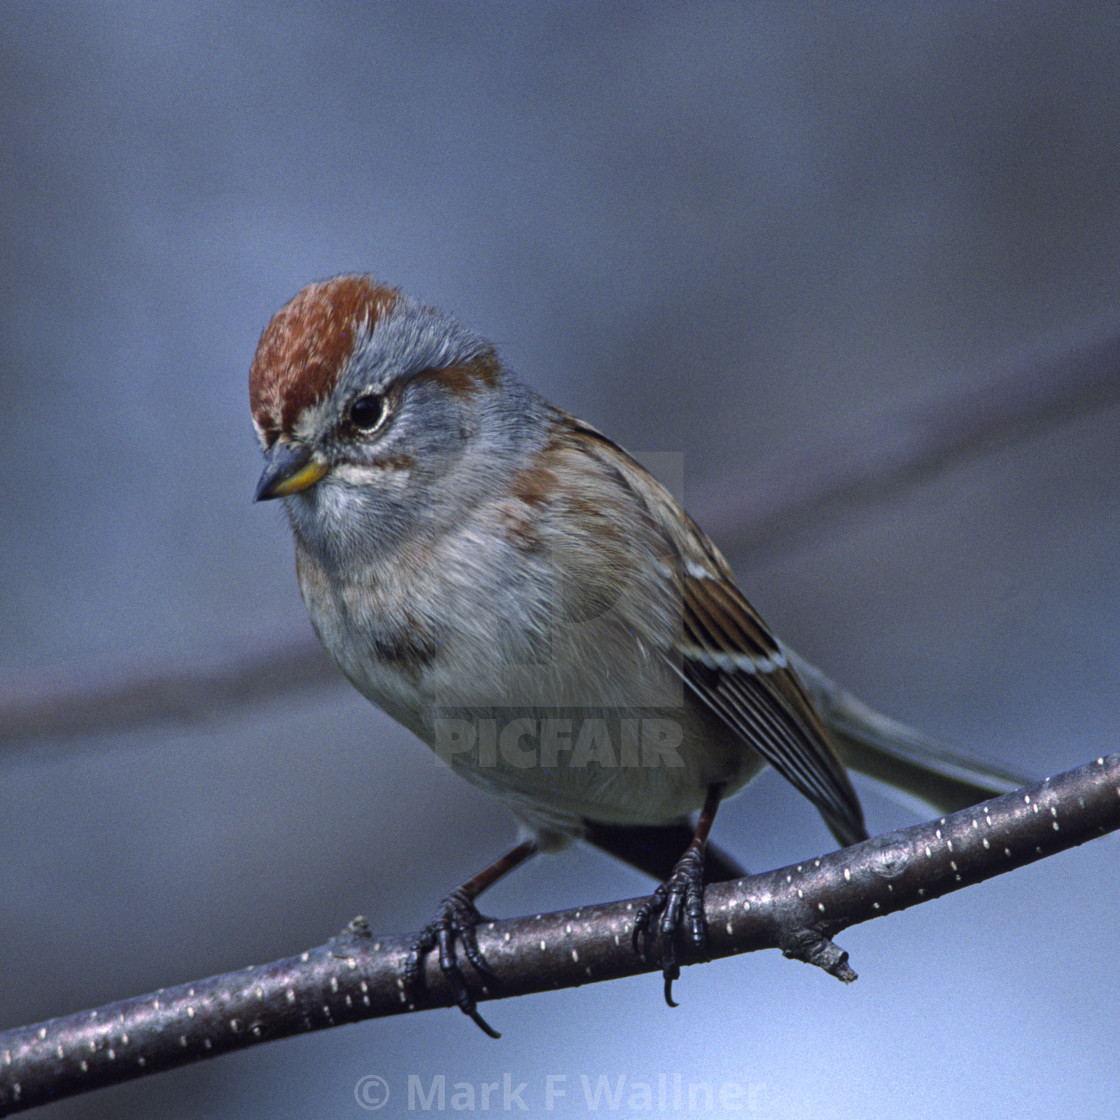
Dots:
pixel 367 412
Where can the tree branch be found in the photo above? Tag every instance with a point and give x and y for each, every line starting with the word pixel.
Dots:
pixel 797 909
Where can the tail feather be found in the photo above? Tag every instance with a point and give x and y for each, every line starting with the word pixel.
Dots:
pixel 890 752
pixel 655 849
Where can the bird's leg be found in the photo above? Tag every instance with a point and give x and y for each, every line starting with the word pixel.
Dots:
pixel 456 918
pixel 679 901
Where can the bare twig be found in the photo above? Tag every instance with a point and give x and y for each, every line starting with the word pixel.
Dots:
pixel 354 977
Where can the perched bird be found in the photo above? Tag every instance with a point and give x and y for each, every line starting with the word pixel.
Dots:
pixel 517 591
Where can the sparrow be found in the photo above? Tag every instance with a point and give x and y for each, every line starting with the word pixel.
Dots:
pixel 516 590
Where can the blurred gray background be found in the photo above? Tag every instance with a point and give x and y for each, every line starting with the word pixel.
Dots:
pixel 728 232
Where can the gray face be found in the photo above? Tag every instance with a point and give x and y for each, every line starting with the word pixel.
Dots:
pixel 419 423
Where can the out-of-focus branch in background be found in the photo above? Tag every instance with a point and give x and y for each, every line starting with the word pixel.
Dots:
pixel 1016 400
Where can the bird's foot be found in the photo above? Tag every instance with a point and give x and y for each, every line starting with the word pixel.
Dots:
pixel 676 908
pixel 455 920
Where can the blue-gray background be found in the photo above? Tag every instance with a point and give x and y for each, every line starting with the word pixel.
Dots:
pixel 722 231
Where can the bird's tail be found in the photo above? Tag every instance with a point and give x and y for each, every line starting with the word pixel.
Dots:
pixel 905 759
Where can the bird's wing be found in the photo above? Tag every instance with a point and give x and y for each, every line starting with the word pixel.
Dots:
pixel 735 667
pixel 729 659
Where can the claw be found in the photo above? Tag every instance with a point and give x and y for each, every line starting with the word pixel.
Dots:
pixel 644 919
pixel 679 904
pixel 669 991
pixel 456 918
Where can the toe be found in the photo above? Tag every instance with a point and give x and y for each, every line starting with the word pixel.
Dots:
pixel 455 921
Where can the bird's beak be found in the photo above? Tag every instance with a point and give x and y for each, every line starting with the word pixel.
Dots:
pixel 288 469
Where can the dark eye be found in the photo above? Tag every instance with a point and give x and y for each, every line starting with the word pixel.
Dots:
pixel 367 412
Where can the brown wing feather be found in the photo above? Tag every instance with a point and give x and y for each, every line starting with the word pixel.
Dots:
pixel 733 665
pixel 732 662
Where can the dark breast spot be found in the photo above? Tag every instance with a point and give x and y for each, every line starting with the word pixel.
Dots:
pixel 411 647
